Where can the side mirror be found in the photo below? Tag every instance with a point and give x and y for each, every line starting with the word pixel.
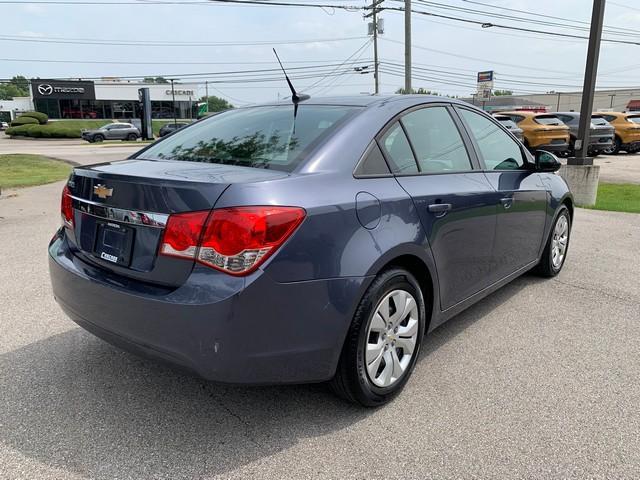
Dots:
pixel 547 162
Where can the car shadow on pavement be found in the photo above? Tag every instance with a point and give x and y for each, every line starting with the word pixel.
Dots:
pixel 77 404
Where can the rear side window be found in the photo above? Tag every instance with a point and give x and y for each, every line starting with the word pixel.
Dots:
pixel 609 118
pixel 516 118
pixel 398 151
pixel 498 149
pixel 259 137
pixel 373 163
pixel 507 122
pixel 548 120
pixel 436 141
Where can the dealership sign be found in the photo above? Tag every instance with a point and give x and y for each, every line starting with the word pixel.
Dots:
pixel 485 84
pixel 180 93
pixel 62 89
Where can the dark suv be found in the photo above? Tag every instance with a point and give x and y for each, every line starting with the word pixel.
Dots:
pixel 601 132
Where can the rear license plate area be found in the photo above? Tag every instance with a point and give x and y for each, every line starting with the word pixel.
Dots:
pixel 114 243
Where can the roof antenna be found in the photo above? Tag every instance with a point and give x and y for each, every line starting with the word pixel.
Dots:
pixel 295 98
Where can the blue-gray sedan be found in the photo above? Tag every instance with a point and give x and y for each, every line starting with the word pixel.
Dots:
pixel 273 244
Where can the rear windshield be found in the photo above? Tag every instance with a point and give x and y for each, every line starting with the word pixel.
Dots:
pixel 548 120
pixel 260 137
pixel 634 119
pixel 599 121
pixel 507 122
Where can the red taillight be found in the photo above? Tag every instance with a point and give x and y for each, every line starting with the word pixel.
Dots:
pixel 182 234
pixel 235 240
pixel 66 207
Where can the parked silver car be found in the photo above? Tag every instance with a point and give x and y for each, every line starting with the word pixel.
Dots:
pixel 509 125
pixel 112 131
pixel 601 132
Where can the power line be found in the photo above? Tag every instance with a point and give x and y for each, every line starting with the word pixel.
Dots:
pixel 159 43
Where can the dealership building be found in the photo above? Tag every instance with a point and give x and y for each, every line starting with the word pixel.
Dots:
pixel 110 99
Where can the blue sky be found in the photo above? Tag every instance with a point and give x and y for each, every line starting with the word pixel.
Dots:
pixel 438 44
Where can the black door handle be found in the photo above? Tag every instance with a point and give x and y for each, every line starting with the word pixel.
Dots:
pixel 506 202
pixel 440 209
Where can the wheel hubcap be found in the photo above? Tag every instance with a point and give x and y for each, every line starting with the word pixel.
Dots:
pixel 559 241
pixel 392 337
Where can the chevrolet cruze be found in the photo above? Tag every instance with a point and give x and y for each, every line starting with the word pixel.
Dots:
pixel 321 242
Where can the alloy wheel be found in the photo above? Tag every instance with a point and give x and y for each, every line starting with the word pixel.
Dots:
pixel 391 338
pixel 559 241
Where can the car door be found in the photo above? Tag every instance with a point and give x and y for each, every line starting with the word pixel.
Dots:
pixel 521 195
pixel 110 132
pixel 432 161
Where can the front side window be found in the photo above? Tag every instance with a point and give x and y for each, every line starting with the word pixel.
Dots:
pixel 498 149
pixel 260 137
pixel 398 151
pixel 634 119
pixel 436 141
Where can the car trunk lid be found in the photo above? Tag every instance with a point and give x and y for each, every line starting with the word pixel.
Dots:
pixel 121 209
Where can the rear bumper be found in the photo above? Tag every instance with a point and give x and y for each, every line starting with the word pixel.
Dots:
pixel 249 330
pixel 553 147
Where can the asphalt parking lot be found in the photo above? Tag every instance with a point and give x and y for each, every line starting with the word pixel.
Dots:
pixel 539 380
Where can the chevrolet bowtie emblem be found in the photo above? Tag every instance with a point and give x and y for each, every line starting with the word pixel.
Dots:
pixel 102 191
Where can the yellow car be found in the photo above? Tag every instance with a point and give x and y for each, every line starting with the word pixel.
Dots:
pixel 627 127
pixel 541 131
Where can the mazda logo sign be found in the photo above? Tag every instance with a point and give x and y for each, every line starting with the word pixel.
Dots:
pixel 45 89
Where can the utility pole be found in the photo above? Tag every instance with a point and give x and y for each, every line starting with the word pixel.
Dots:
pixel 613 95
pixel 588 90
pixel 374 24
pixel 407 46
pixel 558 106
pixel 376 82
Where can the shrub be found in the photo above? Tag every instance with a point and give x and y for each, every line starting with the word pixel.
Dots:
pixel 41 117
pixel 63 132
pixel 43 131
pixel 21 130
pixel 24 121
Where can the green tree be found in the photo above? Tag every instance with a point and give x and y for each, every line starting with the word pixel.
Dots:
pixel 419 91
pixel 216 104
pixel 155 80
pixel 22 83
pixel 502 93
pixel 18 86
pixel 9 90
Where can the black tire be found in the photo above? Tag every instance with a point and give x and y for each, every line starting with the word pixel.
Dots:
pixel 617 145
pixel 351 380
pixel 98 138
pixel 546 268
pixel 132 137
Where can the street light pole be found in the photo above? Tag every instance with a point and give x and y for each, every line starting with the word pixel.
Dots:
pixel 173 104
pixel 588 90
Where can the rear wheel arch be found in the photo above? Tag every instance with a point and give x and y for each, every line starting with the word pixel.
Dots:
pixel 419 269
pixel 569 204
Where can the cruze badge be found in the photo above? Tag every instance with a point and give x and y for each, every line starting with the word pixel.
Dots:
pixel 102 191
